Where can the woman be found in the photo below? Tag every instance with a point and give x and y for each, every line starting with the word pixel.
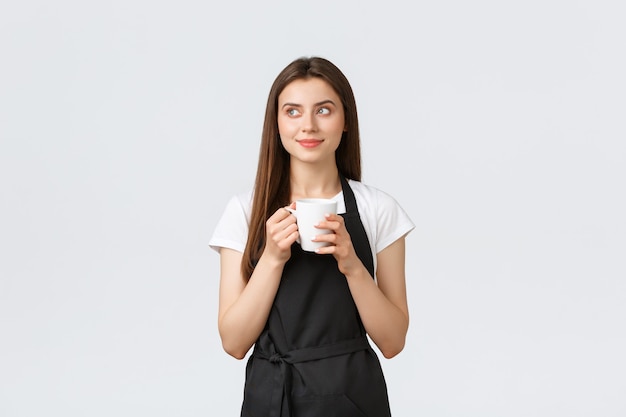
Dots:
pixel 308 314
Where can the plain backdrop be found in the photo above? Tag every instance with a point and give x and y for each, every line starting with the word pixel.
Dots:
pixel 125 126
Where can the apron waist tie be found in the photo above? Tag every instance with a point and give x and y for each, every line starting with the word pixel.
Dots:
pixel 282 380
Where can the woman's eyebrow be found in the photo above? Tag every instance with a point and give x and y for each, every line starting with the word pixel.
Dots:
pixel 325 102
pixel 315 105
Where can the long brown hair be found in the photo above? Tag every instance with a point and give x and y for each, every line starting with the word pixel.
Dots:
pixel 272 188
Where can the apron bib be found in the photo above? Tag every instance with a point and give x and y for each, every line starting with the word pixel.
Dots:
pixel 313 358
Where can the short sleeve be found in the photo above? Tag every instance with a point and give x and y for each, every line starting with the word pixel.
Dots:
pixel 392 222
pixel 232 229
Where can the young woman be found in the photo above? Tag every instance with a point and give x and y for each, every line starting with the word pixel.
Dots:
pixel 309 314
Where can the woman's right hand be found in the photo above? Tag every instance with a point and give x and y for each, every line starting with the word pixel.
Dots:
pixel 281 231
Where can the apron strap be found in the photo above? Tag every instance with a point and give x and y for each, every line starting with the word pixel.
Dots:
pixel 354 225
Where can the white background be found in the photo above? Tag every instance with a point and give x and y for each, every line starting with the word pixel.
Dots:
pixel 125 126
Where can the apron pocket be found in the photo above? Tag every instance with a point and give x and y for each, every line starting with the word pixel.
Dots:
pixel 326 405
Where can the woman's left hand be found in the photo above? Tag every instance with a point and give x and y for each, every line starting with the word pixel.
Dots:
pixel 340 243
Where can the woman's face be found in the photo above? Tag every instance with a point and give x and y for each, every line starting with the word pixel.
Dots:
pixel 310 120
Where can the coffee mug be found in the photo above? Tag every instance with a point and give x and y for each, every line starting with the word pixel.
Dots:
pixel 309 212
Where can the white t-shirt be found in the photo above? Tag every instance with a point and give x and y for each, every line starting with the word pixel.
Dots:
pixel 382 217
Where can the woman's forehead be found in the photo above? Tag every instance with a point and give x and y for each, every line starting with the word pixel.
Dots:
pixel 307 91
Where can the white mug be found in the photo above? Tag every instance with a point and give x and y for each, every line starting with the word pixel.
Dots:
pixel 309 212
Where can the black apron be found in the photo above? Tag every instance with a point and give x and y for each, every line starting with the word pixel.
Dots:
pixel 313 358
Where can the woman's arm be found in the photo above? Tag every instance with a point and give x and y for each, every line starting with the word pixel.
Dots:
pixel 244 306
pixel 383 307
pixel 382 304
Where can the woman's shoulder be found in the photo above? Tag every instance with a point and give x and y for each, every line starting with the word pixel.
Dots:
pixel 371 194
pixel 242 199
pixel 238 208
pixel 232 228
pixel 381 214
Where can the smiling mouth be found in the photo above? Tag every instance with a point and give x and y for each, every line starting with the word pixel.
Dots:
pixel 309 143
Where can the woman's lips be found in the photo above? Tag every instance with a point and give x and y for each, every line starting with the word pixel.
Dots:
pixel 309 143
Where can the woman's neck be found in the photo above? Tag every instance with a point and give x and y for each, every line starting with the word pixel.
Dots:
pixel 313 181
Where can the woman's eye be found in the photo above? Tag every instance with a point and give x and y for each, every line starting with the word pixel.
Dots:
pixel 293 112
pixel 324 110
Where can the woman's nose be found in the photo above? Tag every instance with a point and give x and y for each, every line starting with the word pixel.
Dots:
pixel 309 123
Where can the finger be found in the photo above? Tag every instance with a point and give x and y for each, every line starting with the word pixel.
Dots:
pixel 277 217
pixel 281 232
pixel 291 238
pixel 289 230
pixel 326 250
pixel 289 209
pixel 287 221
pixel 333 217
pixel 325 237
pixel 280 214
pixel 287 241
pixel 330 225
